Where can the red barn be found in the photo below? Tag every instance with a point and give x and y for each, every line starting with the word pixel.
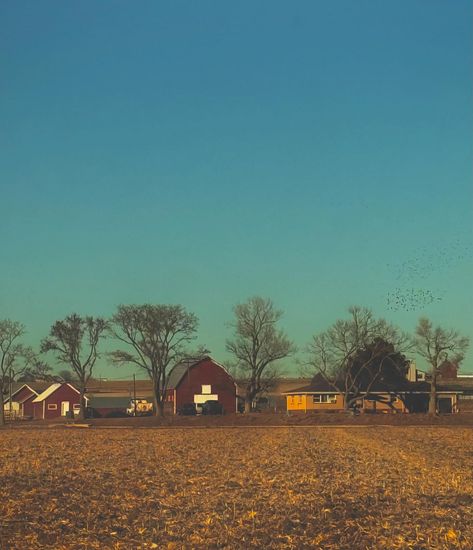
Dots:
pixel 200 380
pixel 56 401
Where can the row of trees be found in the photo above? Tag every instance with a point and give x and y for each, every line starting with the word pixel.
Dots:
pixel 352 355
pixel 356 353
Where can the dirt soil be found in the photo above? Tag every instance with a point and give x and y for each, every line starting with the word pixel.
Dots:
pixel 333 488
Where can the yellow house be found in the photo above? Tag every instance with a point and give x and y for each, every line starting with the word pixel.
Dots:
pixel 320 395
pixel 310 399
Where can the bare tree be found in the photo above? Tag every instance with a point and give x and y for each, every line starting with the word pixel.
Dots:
pixel 156 335
pixel 257 346
pixel 437 345
pixel 352 354
pixel 36 369
pixel 75 342
pixel 16 360
pixel 66 375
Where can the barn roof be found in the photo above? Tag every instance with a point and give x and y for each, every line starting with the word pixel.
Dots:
pixel 179 371
pixel 52 388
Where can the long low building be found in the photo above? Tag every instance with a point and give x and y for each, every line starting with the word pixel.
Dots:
pixel 320 395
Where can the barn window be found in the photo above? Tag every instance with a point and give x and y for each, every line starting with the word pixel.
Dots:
pixel 206 389
pixel 52 407
pixel 76 406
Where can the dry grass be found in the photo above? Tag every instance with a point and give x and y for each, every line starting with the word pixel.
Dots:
pixel 392 487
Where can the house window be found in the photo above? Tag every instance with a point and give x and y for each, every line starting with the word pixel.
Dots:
pixel 206 389
pixel 324 398
pixel 52 407
pixel 76 406
pixel 299 399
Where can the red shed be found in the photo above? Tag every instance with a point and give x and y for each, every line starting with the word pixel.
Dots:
pixel 201 380
pixel 56 401
pixel 22 398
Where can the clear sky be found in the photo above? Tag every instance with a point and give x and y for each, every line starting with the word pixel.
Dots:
pixel 315 152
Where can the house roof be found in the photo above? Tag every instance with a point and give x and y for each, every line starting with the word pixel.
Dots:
pixel 320 384
pixel 287 384
pixel 48 391
pixel 464 385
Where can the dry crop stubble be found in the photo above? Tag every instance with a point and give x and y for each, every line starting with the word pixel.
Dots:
pixel 237 488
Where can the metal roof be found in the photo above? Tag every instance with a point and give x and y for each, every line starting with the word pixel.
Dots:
pixel 181 369
pixel 52 388
pixel 123 387
pixel 105 402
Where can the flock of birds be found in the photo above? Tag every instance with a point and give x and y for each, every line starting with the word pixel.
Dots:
pixel 411 299
pixel 410 294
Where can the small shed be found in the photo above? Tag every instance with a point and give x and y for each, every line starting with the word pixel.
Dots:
pixel 22 399
pixel 197 380
pixel 56 401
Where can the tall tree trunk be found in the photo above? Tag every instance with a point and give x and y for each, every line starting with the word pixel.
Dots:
pixel 248 404
pixel 160 409
pixel 2 414
pixel 433 393
pixel 82 403
pixel 346 401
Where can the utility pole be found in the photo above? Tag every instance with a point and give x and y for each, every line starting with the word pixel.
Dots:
pixel 10 391
pixel 134 393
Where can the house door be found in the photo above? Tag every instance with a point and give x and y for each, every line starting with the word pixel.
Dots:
pixel 64 408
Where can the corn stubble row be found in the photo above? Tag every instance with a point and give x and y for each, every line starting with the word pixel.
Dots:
pixel 239 488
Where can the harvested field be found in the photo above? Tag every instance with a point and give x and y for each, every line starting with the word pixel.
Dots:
pixel 373 487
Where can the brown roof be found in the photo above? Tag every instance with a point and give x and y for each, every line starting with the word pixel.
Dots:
pixel 317 384
pixel 119 387
pixel 457 384
pixel 320 384
pixel 288 384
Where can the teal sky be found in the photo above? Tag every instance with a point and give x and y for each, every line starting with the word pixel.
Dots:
pixel 317 153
